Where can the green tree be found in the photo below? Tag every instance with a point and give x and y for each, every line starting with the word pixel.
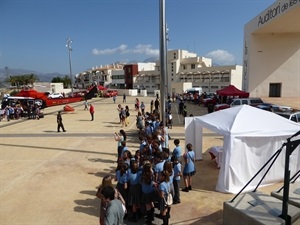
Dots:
pixel 66 80
pixel 57 80
pixel 19 80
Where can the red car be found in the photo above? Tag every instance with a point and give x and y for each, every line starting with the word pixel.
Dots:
pixel 208 101
pixel 110 93
pixel 221 106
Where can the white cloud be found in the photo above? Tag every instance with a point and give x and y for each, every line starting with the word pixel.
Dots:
pixel 145 49
pixel 221 57
pixel 123 49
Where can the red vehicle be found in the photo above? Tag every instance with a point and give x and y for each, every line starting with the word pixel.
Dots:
pixel 48 102
pixel 110 93
pixel 208 101
pixel 221 106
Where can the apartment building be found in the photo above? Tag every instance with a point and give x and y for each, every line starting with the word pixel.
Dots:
pixel 186 67
pixel 183 67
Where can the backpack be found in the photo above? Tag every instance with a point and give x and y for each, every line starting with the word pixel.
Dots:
pixel 169 200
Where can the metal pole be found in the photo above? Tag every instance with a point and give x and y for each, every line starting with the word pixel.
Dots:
pixel 163 60
pixel 69 42
pixel 168 83
pixel 285 196
pixel 209 83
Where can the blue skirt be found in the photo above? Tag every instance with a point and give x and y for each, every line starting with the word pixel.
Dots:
pixel 134 194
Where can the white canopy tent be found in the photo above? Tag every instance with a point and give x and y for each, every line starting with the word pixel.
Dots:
pixel 251 137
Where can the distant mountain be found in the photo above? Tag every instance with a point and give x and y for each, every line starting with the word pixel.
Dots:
pixel 43 77
pixel 152 59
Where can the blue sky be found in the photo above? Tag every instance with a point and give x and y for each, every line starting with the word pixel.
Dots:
pixel 34 33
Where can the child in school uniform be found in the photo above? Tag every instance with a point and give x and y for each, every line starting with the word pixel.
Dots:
pixel 163 190
pixel 122 181
pixel 189 167
pixel 176 179
pixel 134 190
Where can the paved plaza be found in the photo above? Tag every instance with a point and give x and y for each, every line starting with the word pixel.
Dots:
pixel 50 178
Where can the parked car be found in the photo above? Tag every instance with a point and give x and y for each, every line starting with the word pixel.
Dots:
pixel 110 93
pixel 293 116
pixel 221 106
pixel 239 101
pixel 274 108
pixel 55 95
pixel 209 101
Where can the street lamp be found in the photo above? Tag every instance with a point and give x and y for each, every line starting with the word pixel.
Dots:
pixel 69 42
pixel 163 59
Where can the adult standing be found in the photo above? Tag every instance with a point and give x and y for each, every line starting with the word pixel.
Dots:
pixel 59 122
pixel 140 121
pixel 92 111
pixel 127 114
pixel 124 97
pixel 156 105
pixel 184 113
pixel 180 107
pixel 114 212
pixel 123 117
pixel 151 106
pixel 143 108
pixel 7 112
pixel 165 135
pixel 119 137
pixel 119 111
pixel 86 104
pixel 106 181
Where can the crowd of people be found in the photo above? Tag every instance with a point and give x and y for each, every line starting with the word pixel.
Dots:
pixel 16 111
pixel 145 176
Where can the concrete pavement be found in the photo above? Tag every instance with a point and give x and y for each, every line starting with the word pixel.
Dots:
pixel 51 178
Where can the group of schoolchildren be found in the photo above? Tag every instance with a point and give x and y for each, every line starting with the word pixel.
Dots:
pixel 145 178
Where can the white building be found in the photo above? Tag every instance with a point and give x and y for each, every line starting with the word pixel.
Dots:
pixel 184 70
pixel 272 51
pixel 186 67
pixel 101 75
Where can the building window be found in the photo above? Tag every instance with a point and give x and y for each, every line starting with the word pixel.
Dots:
pixel 224 79
pixel 184 67
pixel 193 66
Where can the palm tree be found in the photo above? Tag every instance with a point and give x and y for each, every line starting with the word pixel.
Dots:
pixel 25 79
pixel 67 81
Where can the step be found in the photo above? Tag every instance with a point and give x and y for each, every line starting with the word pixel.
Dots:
pixel 256 208
pixel 294 194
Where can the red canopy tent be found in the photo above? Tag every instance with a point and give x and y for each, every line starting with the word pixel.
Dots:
pixel 231 90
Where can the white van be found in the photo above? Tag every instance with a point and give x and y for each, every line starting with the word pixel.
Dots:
pixel 194 90
pixel 239 101
pixel 245 101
